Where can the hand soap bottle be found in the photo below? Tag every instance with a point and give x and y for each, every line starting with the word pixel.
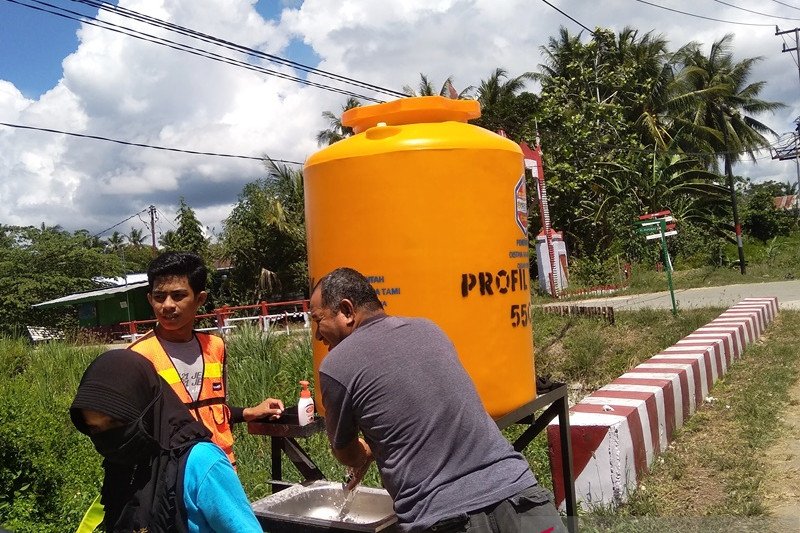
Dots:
pixel 305 407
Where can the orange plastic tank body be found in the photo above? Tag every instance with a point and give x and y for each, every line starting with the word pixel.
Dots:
pixel 434 212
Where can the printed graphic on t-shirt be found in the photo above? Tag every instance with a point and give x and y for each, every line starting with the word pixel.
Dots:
pixel 192 383
pixel 188 360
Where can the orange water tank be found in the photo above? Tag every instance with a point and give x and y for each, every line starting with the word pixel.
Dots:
pixel 434 212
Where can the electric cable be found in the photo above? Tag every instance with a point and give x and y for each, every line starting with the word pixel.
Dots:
pixel 144 145
pixel 702 16
pixel 86 19
pixel 119 223
pixel 569 17
pixel 754 12
pixel 182 30
pixel 785 4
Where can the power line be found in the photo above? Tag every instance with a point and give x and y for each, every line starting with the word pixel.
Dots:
pixel 182 30
pixel 703 17
pixel 569 17
pixel 86 19
pixel 143 145
pixel 119 223
pixel 785 4
pixel 754 12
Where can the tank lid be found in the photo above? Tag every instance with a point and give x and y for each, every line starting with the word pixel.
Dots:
pixel 411 111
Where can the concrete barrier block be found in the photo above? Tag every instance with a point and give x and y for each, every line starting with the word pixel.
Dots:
pixel 619 430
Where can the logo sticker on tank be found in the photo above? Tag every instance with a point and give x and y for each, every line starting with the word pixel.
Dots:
pixel 521 204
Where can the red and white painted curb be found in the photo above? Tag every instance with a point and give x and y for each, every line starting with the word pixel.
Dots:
pixel 619 430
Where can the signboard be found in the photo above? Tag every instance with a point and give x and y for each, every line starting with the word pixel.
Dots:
pixel 659 226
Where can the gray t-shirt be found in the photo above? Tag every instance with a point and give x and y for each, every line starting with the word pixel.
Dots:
pixel 188 360
pixel 400 382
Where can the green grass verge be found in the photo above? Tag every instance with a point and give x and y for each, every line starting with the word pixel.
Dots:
pixel 49 472
pixel 711 477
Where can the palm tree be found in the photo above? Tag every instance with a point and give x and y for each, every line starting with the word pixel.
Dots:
pixel 336 131
pixel 725 102
pixel 499 88
pixel 136 238
pixel 503 104
pixel 425 88
pixel 116 241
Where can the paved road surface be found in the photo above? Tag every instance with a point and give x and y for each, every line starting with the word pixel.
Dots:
pixel 788 293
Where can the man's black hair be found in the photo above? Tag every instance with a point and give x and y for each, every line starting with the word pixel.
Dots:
pixel 346 283
pixel 179 264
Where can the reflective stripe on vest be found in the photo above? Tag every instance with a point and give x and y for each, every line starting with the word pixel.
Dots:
pixel 209 408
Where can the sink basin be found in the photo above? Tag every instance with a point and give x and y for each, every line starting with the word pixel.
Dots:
pixel 315 506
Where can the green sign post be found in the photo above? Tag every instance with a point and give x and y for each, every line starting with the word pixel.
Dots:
pixel 655 227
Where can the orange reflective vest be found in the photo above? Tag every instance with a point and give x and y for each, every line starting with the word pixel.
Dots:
pixel 210 407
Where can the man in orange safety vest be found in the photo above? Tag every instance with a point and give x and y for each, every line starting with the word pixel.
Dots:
pixel 191 362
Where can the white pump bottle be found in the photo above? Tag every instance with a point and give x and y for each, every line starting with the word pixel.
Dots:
pixel 305 406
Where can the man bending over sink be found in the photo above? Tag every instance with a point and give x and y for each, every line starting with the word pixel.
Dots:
pixel 398 381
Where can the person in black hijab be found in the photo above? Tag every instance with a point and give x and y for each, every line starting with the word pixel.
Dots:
pixel 162 473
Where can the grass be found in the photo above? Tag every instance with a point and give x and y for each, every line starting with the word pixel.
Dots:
pixel 591 353
pixel 711 477
pixel 585 352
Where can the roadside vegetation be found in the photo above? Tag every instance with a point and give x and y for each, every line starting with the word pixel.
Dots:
pixel 49 473
pixel 713 475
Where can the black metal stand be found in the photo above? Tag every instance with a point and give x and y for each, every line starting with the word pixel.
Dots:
pixel 282 440
pixel 555 404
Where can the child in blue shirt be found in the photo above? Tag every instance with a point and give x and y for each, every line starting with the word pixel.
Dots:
pixel 162 473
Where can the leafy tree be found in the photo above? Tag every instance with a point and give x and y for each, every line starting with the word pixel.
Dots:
pixel 761 219
pixel 189 236
pixel 336 131
pixel 39 264
pixel 264 237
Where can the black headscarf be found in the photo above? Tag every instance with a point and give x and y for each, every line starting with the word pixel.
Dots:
pixel 142 458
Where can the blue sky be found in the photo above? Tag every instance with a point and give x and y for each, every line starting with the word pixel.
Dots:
pixel 33 43
pixel 28 38
pixel 55 74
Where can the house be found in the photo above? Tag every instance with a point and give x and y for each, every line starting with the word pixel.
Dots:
pixel 785 202
pixel 124 300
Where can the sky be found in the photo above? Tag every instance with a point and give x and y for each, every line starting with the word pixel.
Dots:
pixel 61 74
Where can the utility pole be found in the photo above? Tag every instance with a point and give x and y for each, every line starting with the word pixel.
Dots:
pixel 796 50
pixel 153 229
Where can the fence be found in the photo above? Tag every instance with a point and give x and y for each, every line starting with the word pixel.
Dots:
pixel 606 312
pixel 227 317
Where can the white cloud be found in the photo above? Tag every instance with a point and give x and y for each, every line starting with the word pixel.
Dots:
pixel 123 88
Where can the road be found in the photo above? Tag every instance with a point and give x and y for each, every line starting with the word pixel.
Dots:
pixel 788 293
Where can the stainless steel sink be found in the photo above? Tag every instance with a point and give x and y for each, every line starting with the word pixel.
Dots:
pixel 316 506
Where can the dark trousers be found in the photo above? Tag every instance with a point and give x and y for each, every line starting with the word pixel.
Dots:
pixel 530 511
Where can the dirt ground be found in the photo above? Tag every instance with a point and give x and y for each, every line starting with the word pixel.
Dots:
pixel 782 488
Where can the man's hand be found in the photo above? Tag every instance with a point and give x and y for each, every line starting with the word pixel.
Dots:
pixel 270 408
pixel 357 456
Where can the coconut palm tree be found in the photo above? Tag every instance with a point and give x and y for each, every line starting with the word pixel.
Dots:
pixel 725 105
pixel 116 241
pixel 136 238
pixel 499 88
pixel 336 131
pixel 425 88
pixel 725 101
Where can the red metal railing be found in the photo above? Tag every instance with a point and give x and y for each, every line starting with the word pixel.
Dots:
pixel 222 314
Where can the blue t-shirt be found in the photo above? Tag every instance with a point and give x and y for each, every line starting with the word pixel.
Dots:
pixel 214 497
